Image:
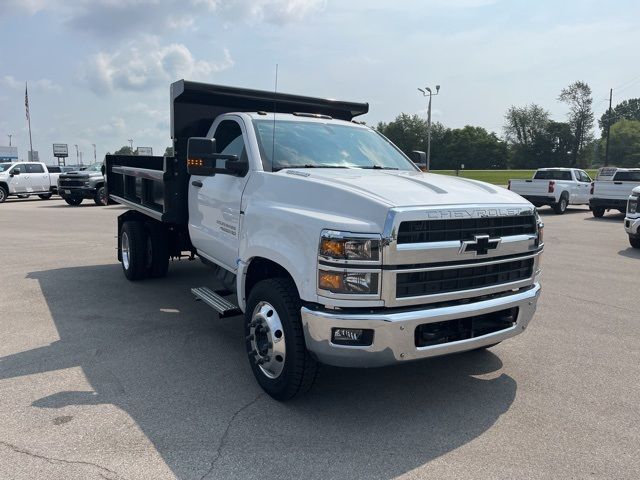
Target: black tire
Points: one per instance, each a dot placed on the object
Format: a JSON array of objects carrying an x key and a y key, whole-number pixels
[
  {"x": 100, "y": 197},
  {"x": 157, "y": 260},
  {"x": 634, "y": 241},
  {"x": 133, "y": 248},
  {"x": 45, "y": 196},
  {"x": 3, "y": 194},
  {"x": 299, "y": 370},
  {"x": 562, "y": 204},
  {"x": 73, "y": 201},
  {"x": 597, "y": 212}
]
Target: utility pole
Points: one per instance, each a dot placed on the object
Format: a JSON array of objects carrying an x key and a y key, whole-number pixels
[
  {"x": 606, "y": 148},
  {"x": 430, "y": 94},
  {"x": 80, "y": 158},
  {"x": 26, "y": 106},
  {"x": 10, "y": 135},
  {"x": 95, "y": 159},
  {"x": 77, "y": 156},
  {"x": 131, "y": 143}
]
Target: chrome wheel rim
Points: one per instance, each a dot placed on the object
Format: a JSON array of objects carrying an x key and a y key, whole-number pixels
[
  {"x": 266, "y": 337},
  {"x": 125, "y": 249},
  {"x": 563, "y": 205},
  {"x": 103, "y": 196}
]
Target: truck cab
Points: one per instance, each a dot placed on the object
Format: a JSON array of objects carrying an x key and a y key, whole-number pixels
[{"x": 331, "y": 244}]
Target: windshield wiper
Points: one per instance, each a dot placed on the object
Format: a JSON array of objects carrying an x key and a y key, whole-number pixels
[
  {"x": 318, "y": 166},
  {"x": 378, "y": 167}
]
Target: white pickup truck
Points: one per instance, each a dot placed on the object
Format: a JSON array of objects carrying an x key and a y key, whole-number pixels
[
  {"x": 334, "y": 245},
  {"x": 611, "y": 189},
  {"x": 632, "y": 220},
  {"x": 556, "y": 187},
  {"x": 23, "y": 179}
]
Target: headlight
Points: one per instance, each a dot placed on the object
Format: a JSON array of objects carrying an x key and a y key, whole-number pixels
[
  {"x": 632, "y": 206},
  {"x": 349, "y": 247},
  {"x": 348, "y": 282}
]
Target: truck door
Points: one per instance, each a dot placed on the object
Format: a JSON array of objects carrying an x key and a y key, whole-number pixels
[
  {"x": 37, "y": 177},
  {"x": 214, "y": 207},
  {"x": 583, "y": 186},
  {"x": 17, "y": 182}
]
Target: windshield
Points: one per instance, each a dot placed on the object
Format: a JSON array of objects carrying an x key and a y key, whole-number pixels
[
  {"x": 326, "y": 145},
  {"x": 552, "y": 175},
  {"x": 5, "y": 166},
  {"x": 94, "y": 167}
]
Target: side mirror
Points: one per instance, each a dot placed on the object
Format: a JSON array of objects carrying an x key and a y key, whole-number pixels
[
  {"x": 15, "y": 171},
  {"x": 420, "y": 159},
  {"x": 203, "y": 160}
]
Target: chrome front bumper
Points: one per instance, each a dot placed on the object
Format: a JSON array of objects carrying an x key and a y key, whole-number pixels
[
  {"x": 394, "y": 333},
  {"x": 632, "y": 226}
]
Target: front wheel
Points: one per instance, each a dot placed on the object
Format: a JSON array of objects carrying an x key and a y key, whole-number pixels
[
  {"x": 275, "y": 341},
  {"x": 634, "y": 241},
  {"x": 73, "y": 201},
  {"x": 100, "y": 197},
  {"x": 3, "y": 194},
  {"x": 45, "y": 196},
  {"x": 597, "y": 212}
]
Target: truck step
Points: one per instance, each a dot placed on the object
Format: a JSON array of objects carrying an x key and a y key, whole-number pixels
[{"x": 221, "y": 305}]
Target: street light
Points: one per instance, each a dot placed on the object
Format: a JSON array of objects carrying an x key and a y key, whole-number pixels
[
  {"x": 430, "y": 94},
  {"x": 94, "y": 153},
  {"x": 10, "y": 135},
  {"x": 77, "y": 156},
  {"x": 131, "y": 143}
]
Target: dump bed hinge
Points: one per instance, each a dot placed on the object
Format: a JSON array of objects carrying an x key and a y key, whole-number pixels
[{"x": 220, "y": 304}]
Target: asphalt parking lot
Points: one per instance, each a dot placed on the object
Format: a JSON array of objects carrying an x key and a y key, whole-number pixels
[{"x": 102, "y": 378}]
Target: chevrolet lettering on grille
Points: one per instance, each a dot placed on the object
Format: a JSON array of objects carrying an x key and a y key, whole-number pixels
[{"x": 480, "y": 245}]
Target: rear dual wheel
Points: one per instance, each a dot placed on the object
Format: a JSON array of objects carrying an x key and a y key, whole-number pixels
[{"x": 144, "y": 250}]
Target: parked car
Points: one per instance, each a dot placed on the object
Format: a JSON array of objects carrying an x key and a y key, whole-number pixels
[
  {"x": 632, "y": 220},
  {"x": 23, "y": 179},
  {"x": 78, "y": 185},
  {"x": 339, "y": 249},
  {"x": 612, "y": 188},
  {"x": 556, "y": 187}
]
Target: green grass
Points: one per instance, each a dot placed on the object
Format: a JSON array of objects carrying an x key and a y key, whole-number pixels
[{"x": 497, "y": 177}]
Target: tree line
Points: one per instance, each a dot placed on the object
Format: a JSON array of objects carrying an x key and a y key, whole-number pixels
[{"x": 530, "y": 138}]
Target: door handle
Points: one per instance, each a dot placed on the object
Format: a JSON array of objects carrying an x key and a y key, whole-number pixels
[{"x": 196, "y": 183}]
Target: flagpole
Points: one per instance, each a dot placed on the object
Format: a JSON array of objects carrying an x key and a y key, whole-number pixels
[{"x": 26, "y": 102}]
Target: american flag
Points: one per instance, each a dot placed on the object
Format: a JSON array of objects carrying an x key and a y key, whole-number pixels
[{"x": 26, "y": 100}]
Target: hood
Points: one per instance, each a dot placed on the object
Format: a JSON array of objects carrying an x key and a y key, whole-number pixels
[
  {"x": 409, "y": 189},
  {"x": 80, "y": 174}
]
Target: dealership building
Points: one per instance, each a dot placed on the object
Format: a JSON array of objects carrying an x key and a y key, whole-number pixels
[{"x": 8, "y": 154}]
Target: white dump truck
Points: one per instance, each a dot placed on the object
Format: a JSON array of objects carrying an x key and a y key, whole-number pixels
[{"x": 333, "y": 247}]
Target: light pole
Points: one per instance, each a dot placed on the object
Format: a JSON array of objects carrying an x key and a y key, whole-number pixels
[
  {"x": 95, "y": 159},
  {"x": 77, "y": 156},
  {"x": 10, "y": 135},
  {"x": 131, "y": 143},
  {"x": 430, "y": 94}
]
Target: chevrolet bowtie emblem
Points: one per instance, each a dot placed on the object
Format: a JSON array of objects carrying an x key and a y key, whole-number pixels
[{"x": 481, "y": 244}]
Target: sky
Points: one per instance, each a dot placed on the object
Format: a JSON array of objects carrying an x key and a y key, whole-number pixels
[{"x": 99, "y": 70}]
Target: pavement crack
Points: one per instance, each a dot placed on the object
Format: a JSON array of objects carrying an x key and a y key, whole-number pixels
[
  {"x": 225, "y": 435},
  {"x": 102, "y": 471}
]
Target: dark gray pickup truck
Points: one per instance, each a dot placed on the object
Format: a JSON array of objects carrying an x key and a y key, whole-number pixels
[{"x": 89, "y": 183}]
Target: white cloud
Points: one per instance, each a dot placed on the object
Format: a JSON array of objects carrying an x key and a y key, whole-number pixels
[
  {"x": 147, "y": 64},
  {"x": 44, "y": 84}
]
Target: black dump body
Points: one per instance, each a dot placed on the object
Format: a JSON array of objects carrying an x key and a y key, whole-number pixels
[{"x": 157, "y": 186}]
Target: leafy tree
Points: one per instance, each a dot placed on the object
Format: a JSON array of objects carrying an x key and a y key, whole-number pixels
[
  {"x": 524, "y": 124},
  {"x": 168, "y": 152},
  {"x": 624, "y": 143},
  {"x": 627, "y": 109},
  {"x": 474, "y": 147},
  {"x": 126, "y": 150},
  {"x": 580, "y": 118}
]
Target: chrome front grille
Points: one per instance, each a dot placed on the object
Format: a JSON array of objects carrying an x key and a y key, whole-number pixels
[
  {"x": 427, "y": 260},
  {"x": 429, "y": 282},
  {"x": 426, "y": 231}
]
